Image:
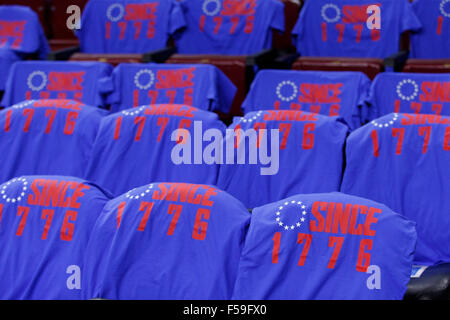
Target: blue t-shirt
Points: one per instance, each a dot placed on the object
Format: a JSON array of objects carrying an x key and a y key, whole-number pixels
[
  {"x": 329, "y": 93},
  {"x": 202, "y": 86},
  {"x": 409, "y": 93},
  {"x": 402, "y": 160},
  {"x": 86, "y": 82},
  {"x": 128, "y": 26},
  {"x": 229, "y": 27},
  {"x": 433, "y": 40},
  {"x": 141, "y": 145},
  {"x": 166, "y": 241},
  {"x": 21, "y": 31},
  {"x": 307, "y": 157},
  {"x": 47, "y": 137},
  {"x": 46, "y": 222},
  {"x": 7, "y": 59},
  {"x": 325, "y": 247},
  {"x": 339, "y": 28}
]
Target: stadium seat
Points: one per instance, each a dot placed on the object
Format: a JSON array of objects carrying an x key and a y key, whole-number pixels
[
  {"x": 433, "y": 39},
  {"x": 427, "y": 66},
  {"x": 229, "y": 27},
  {"x": 328, "y": 246},
  {"x": 40, "y": 7},
  {"x": 46, "y": 222},
  {"x": 86, "y": 82},
  {"x": 203, "y": 86},
  {"x": 305, "y": 156},
  {"x": 405, "y": 159},
  {"x": 341, "y": 28},
  {"x": 47, "y": 137},
  {"x": 409, "y": 93},
  {"x": 429, "y": 283},
  {"x": 141, "y": 145},
  {"x": 328, "y": 93},
  {"x": 370, "y": 66},
  {"x": 174, "y": 241}
]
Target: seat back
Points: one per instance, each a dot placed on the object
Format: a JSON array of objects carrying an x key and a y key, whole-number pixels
[
  {"x": 432, "y": 41},
  {"x": 46, "y": 222},
  {"x": 137, "y": 146},
  {"x": 341, "y": 28},
  {"x": 117, "y": 26},
  {"x": 203, "y": 86},
  {"x": 401, "y": 160},
  {"x": 328, "y": 246},
  {"x": 86, "y": 82},
  {"x": 328, "y": 93},
  {"x": 274, "y": 154},
  {"x": 409, "y": 93},
  {"x": 47, "y": 137},
  {"x": 229, "y": 27},
  {"x": 167, "y": 241}
]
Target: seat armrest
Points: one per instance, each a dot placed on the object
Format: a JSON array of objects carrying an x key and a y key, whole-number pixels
[
  {"x": 432, "y": 284},
  {"x": 159, "y": 56},
  {"x": 396, "y": 62},
  {"x": 63, "y": 54}
]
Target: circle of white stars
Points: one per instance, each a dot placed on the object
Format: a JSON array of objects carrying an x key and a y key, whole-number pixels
[
  {"x": 34, "y": 74},
  {"x": 405, "y": 82},
  {"x": 336, "y": 9},
  {"x": 298, "y": 224},
  {"x": 4, "y": 195},
  {"x": 23, "y": 104},
  {"x": 442, "y": 8},
  {"x": 211, "y": 12},
  {"x": 386, "y": 124},
  {"x": 131, "y": 196},
  {"x": 251, "y": 119},
  {"x": 138, "y": 75},
  {"x": 110, "y": 10},
  {"x": 283, "y": 84},
  {"x": 134, "y": 111}
]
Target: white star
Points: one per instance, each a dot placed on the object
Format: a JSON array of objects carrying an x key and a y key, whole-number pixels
[
  {"x": 292, "y": 227},
  {"x": 298, "y": 224},
  {"x": 278, "y": 213},
  {"x": 303, "y": 207},
  {"x": 278, "y": 219},
  {"x": 286, "y": 228},
  {"x": 302, "y": 219},
  {"x": 304, "y": 212},
  {"x": 281, "y": 224}
]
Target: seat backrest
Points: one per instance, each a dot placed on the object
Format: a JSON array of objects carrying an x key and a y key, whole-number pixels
[
  {"x": 328, "y": 93},
  {"x": 46, "y": 222},
  {"x": 409, "y": 93},
  {"x": 47, "y": 137},
  {"x": 167, "y": 241},
  {"x": 202, "y": 86},
  {"x": 21, "y": 31},
  {"x": 118, "y": 26},
  {"x": 341, "y": 28},
  {"x": 427, "y": 66},
  {"x": 59, "y": 15},
  {"x": 327, "y": 246},
  {"x": 433, "y": 40},
  {"x": 141, "y": 145},
  {"x": 291, "y": 12},
  {"x": 274, "y": 154},
  {"x": 401, "y": 160},
  {"x": 229, "y": 27},
  {"x": 86, "y": 82},
  {"x": 7, "y": 59}
]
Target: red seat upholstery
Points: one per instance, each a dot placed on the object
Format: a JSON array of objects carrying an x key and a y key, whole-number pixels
[
  {"x": 113, "y": 59},
  {"x": 427, "y": 66},
  {"x": 291, "y": 13}
]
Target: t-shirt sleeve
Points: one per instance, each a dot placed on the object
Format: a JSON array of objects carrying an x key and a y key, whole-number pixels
[
  {"x": 177, "y": 20},
  {"x": 278, "y": 16},
  {"x": 410, "y": 21},
  {"x": 226, "y": 92}
]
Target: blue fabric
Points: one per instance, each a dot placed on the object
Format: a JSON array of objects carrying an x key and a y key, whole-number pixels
[
  {"x": 46, "y": 222},
  {"x": 409, "y": 93},
  {"x": 229, "y": 27},
  {"x": 21, "y": 31},
  {"x": 202, "y": 86},
  {"x": 318, "y": 31},
  {"x": 402, "y": 160},
  {"x": 169, "y": 241},
  {"x": 311, "y": 157},
  {"x": 128, "y": 26},
  {"x": 134, "y": 147},
  {"x": 87, "y": 82},
  {"x": 433, "y": 40},
  {"x": 367, "y": 234},
  {"x": 7, "y": 59},
  {"x": 47, "y": 137},
  {"x": 329, "y": 93}
]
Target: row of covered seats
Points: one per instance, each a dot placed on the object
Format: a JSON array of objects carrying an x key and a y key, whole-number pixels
[
  {"x": 66, "y": 238},
  {"x": 289, "y": 152},
  {"x": 350, "y": 95}
]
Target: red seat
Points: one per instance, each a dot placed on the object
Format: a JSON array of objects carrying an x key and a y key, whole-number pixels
[
  {"x": 427, "y": 66},
  {"x": 236, "y": 68},
  {"x": 370, "y": 66},
  {"x": 113, "y": 59},
  {"x": 291, "y": 13}
]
